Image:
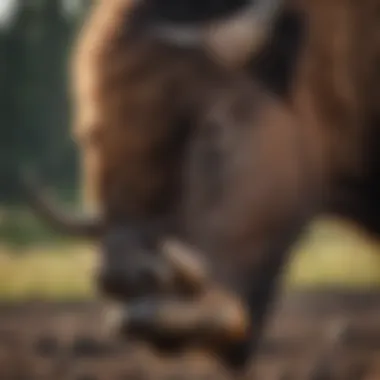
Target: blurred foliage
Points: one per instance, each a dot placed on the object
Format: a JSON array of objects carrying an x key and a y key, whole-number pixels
[
  {"x": 20, "y": 228},
  {"x": 34, "y": 107}
]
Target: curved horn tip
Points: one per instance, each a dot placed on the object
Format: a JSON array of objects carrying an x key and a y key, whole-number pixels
[
  {"x": 235, "y": 320},
  {"x": 113, "y": 318},
  {"x": 188, "y": 264},
  {"x": 45, "y": 207}
]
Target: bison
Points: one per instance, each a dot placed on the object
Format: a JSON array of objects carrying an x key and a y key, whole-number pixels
[{"x": 194, "y": 125}]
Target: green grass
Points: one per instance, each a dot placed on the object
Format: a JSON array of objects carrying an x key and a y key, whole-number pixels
[{"x": 39, "y": 266}]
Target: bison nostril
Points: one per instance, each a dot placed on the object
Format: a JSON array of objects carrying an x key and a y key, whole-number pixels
[
  {"x": 143, "y": 275},
  {"x": 113, "y": 285},
  {"x": 133, "y": 283},
  {"x": 151, "y": 275},
  {"x": 127, "y": 284}
]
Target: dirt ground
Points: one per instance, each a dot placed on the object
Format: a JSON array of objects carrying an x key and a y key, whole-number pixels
[{"x": 312, "y": 336}]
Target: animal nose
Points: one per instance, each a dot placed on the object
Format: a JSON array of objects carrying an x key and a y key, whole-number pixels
[
  {"x": 113, "y": 284},
  {"x": 137, "y": 279}
]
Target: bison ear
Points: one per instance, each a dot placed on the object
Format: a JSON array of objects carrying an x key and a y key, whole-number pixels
[{"x": 45, "y": 208}]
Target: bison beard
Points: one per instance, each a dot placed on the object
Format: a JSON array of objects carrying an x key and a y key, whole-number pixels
[{"x": 180, "y": 142}]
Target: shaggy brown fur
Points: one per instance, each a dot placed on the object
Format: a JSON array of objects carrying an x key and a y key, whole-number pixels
[
  {"x": 164, "y": 129},
  {"x": 338, "y": 90},
  {"x": 134, "y": 96},
  {"x": 127, "y": 109},
  {"x": 133, "y": 101},
  {"x": 338, "y": 85}
]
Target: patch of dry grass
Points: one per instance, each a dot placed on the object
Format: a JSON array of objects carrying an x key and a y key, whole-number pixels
[
  {"x": 50, "y": 272},
  {"x": 335, "y": 253}
]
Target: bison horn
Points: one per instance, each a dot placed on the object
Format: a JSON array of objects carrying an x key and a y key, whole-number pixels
[
  {"x": 190, "y": 270},
  {"x": 46, "y": 209}
]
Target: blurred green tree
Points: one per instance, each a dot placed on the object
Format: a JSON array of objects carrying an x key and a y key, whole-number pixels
[{"x": 34, "y": 107}]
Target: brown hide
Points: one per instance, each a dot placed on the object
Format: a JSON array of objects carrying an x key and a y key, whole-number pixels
[
  {"x": 126, "y": 111},
  {"x": 338, "y": 90},
  {"x": 165, "y": 130},
  {"x": 338, "y": 77},
  {"x": 130, "y": 93},
  {"x": 335, "y": 93},
  {"x": 133, "y": 94},
  {"x": 160, "y": 127},
  {"x": 250, "y": 171},
  {"x": 250, "y": 180}
]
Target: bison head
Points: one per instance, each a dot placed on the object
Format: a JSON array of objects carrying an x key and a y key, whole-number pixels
[
  {"x": 129, "y": 251},
  {"x": 153, "y": 282}
]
